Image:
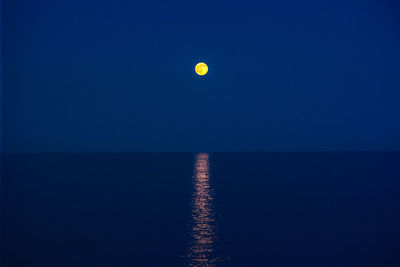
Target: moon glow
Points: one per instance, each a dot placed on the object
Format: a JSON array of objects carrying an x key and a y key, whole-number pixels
[{"x": 201, "y": 68}]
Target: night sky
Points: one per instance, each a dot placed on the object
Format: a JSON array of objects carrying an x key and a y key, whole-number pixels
[{"x": 118, "y": 76}]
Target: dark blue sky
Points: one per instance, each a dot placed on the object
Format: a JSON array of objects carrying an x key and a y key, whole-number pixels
[{"x": 96, "y": 75}]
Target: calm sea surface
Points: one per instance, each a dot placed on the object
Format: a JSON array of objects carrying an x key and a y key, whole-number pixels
[{"x": 201, "y": 209}]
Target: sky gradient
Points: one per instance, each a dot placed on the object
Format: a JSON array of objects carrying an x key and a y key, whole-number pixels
[{"x": 118, "y": 76}]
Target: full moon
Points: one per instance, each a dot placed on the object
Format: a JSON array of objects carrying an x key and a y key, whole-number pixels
[{"x": 201, "y": 68}]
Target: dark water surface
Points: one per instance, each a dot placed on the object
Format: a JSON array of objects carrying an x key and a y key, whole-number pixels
[{"x": 204, "y": 209}]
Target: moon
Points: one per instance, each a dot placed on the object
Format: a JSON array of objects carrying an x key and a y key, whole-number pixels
[{"x": 201, "y": 68}]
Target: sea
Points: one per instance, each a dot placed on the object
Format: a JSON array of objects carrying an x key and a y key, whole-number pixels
[{"x": 201, "y": 209}]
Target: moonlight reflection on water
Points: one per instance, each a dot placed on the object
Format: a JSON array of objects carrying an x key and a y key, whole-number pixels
[{"x": 203, "y": 232}]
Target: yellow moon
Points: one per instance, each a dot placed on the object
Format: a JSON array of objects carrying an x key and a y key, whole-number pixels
[{"x": 201, "y": 68}]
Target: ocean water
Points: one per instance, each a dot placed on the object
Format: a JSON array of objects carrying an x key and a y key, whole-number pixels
[{"x": 201, "y": 209}]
